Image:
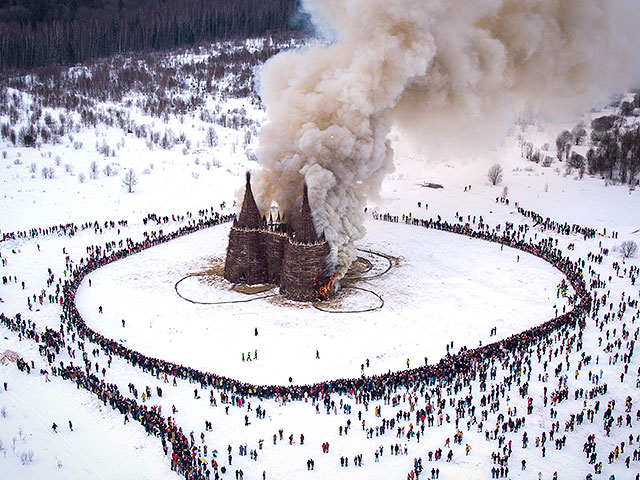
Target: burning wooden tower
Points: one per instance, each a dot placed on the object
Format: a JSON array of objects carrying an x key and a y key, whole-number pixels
[{"x": 290, "y": 255}]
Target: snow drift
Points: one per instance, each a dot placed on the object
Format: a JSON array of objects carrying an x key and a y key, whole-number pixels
[{"x": 446, "y": 71}]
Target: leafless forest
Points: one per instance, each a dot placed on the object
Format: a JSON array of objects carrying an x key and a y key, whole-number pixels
[{"x": 35, "y": 33}]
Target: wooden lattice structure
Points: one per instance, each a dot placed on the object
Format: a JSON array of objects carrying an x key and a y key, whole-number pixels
[{"x": 291, "y": 256}]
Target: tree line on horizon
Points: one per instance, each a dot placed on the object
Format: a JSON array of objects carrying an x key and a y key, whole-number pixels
[{"x": 38, "y": 33}]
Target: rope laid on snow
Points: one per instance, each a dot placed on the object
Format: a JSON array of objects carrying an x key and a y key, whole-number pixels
[
  {"x": 318, "y": 305},
  {"x": 225, "y": 302}
]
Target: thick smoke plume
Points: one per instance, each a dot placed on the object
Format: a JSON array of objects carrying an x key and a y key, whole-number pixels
[{"x": 446, "y": 71}]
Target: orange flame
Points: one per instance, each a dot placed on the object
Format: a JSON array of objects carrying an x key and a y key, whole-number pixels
[{"x": 323, "y": 292}]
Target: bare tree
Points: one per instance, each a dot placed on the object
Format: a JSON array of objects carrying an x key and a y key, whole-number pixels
[
  {"x": 103, "y": 148},
  {"x": 247, "y": 137},
  {"x": 130, "y": 180},
  {"x": 495, "y": 174},
  {"x": 628, "y": 248},
  {"x": 93, "y": 170},
  {"x": 48, "y": 172},
  {"x": 579, "y": 133},
  {"x": 562, "y": 143},
  {"x": 111, "y": 170},
  {"x": 28, "y": 136},
  {"x": 26, "y": 457},
  {"x": 577, "y": 161},
  {"x": 212, "y": 137}
]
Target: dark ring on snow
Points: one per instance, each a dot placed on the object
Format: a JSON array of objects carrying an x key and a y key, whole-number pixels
[
  {"x": 319, "y": 305},
  {"x": 388, "y": 258},
  {"x": 225, "y": 302}
]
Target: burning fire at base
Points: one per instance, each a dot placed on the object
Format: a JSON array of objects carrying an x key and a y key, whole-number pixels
[
  {"x": 324, "y": 292},
  {"x": 290, "y": 255}
]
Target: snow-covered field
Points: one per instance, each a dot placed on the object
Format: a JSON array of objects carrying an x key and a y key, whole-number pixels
[
  {"x": 443, "y": 288},
  {"x": 483, "y": 282}
]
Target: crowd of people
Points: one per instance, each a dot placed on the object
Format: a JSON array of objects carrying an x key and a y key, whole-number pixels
[
  {"x": 547, "y": 224},
  {"x": 67, "y": 229},
  {"x": 372, "y": 387},
  {"x": 433, "y": 382}
]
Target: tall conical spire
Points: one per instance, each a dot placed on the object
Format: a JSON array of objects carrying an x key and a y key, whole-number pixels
[
  {"x": 305, "y": 232},
  {"x": 249, "y": 214}
]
